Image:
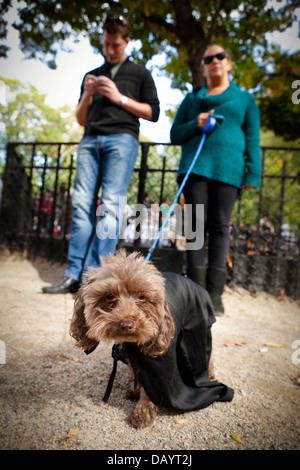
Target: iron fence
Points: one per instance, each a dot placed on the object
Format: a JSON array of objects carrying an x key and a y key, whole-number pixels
[{"x": 37, "y": 203}]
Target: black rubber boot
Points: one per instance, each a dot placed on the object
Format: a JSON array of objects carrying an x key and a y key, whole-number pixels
[
  {"x": 216, "y": 278},
  {"x": 198, "y": 275}
]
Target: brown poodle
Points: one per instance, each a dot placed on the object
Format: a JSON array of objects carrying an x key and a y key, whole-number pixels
[{"x": 125, "y": 301}]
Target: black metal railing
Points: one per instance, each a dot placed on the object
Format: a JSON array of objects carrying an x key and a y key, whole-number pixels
[{"x": 37, "y": 198}]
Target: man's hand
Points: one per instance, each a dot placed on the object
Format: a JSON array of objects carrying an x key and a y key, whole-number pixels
[
  {"x": 107, "y": 87},
  {"x": 89, "y": 85}
]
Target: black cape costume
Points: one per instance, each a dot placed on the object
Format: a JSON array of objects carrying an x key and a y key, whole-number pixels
[{"x": 179, "y": 378}]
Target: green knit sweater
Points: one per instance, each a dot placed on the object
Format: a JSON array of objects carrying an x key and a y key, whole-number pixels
[{"x": 231, "y": 153}]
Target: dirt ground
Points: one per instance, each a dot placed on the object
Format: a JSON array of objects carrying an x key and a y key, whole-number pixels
[{"x": 50, "y": 392}]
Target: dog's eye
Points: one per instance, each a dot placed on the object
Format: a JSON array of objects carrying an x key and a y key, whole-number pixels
[
  {"x": 142, "y": 297},
  {"x": 110, "y": 297}
]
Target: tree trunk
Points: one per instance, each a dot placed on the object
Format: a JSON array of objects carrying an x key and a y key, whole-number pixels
[{"x": 194, "y": 63}]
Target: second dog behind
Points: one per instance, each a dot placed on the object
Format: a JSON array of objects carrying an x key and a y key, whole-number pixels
[{"x": 161, "y": 323}]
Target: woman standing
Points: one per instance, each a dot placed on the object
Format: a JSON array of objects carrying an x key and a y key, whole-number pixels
[{"x": 229, "y": 160}]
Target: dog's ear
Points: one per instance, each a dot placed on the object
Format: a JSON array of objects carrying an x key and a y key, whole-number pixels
[
  {"x": 78, "y": 327},
  {"x": 166, "y": 332}
]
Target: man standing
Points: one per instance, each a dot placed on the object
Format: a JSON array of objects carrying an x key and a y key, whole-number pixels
[{"x": 113, "y": 98}]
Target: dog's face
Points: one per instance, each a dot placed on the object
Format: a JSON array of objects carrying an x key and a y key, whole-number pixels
[{"x": 124, "y": 301}]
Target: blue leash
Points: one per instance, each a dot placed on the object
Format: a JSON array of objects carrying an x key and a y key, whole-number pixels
[{"x": 211, "y": 123}]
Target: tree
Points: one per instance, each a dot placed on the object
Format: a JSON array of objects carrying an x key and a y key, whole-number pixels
[
  {"x": 279, "y": 102},
  {"x": 179, "y": 28},
  {"x": 28, "y": 118}
]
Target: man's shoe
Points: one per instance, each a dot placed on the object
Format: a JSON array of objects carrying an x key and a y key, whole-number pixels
[{"x": 67, "y": 285}]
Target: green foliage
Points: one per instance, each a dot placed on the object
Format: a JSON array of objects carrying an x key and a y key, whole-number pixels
[
  {"x": 179, "y": 29},
  {"x": 279, "y": 102},
  {"x": 45, "y": 171},
  {"x": 5, "y": 6},
  {"x": 278, "y": 163},
  {"x": 161, "y": 159},
  {"x": 281, "y": 115},
  {"x": 28, "y": 118}
]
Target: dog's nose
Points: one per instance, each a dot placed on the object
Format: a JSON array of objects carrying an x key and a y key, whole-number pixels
[{"x": 126, "y": 325}]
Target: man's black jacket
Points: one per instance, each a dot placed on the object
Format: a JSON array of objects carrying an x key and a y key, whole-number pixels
[{"x": 132, "y": 80}]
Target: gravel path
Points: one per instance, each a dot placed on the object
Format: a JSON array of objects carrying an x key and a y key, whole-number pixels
[{"x": 51, "y": 392}]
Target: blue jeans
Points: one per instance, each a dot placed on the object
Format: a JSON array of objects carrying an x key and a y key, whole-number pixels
[{"x": 108, "y": 161}]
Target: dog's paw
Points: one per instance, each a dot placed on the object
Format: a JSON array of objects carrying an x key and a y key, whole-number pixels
[
  {"x": 143, "y": 416},
  {"x": 132, "y": 394}
]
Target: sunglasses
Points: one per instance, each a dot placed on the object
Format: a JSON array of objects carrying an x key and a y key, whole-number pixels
[
  {"x": 114, "y": 17},
  {"x": 209, "y": 58}
]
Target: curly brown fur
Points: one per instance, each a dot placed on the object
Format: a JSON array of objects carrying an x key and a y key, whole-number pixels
[{"x": 124, "y": 301}]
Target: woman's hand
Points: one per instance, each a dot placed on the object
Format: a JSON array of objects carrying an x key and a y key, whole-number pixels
[{"x": 202, "y": 118}]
